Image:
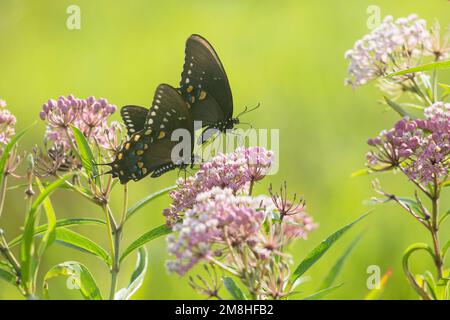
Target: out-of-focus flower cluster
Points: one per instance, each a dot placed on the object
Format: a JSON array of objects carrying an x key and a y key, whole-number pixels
[
  {"x": 235, "y": 171},
  {"x": 221, "y": 222},
  {"x": 392, "y": 46},
  {"x": 7, "y": 123},
  {"x": 89, "y": 115},
  {"x": 421, "y": 147}
]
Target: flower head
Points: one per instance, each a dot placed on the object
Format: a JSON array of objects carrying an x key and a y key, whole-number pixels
[
  {"x": 420, "y": 147},
  {"x": 234, "y": 171},
  {"x": 392, "y": 45},
  {"x": 7, "y": 123},
  {"x": 217, "y": 219},
  {"x": 89, "y": 115}
]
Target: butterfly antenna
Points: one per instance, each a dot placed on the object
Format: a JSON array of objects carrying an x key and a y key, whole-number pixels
[
  {"x": 247, "y": 124},
  {"x": 247, "y": 110},
  {"x": 101, "y": 174}
]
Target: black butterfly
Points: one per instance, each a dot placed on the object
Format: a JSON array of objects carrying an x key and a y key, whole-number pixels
[
  {"x": 204, "y": 84},
  {"x": 149, "y": 148}
]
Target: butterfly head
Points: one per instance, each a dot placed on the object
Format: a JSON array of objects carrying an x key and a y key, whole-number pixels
[
  {"x": 231, "y": 123},
  {"x": 129, "y": 163}
]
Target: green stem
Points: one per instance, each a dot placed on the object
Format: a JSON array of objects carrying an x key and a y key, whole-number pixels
[
  {"x": 117, "y": 234},
  {"x": 116, "y": 264},
  {"x": 3, "y": 193},
  {"x": 434, "y": 229},
  {"x": 252, "y": 183},
  {"x": 6, "y": 252}
]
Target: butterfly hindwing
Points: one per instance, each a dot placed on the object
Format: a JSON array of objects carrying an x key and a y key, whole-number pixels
[
  {"x": 149, "y": 151},
  {"x": 204, "y": 83},
  {"x": 134, "y": 118}
]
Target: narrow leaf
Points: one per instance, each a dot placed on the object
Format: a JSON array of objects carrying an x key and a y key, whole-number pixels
[
  {"x": 49, "y": 235},
  {"x": 60, "y": 223},
  {"x": 85, "y": 153},
  {"x": 146, "y": 237},
  {"x": 233, "y": 289},
  {"x": 320, "y": 250},
  {"x": 397, "y": 108},
  {"x": 336, "y": 269},
  {"x": 7, "y": 274},
  {"x": 424, "y": 67},
  {"x": 27, "y": 248},
  {"x": 77, "y": 241},
  {"x": 322, "y": 293},
  {"x": 137, "y": 278},
  {"x": 143, "y": 202},
  {"x": 78, "y": 278}
]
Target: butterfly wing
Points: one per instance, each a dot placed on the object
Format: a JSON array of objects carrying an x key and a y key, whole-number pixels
[
  {"x": 150, "y": 150},
  {"x": 169, "y": 111},
  {"x": 134, "y": 118},
  {"x": 204, "y": 83}
]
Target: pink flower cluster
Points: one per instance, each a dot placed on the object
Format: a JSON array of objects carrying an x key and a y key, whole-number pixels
[
  {"x": 392, "y": 44},
  {"x": 234, "y": 171},
  {"x": 218, "y": 217},
  {"x": 89, "y": 115},
  {"x": 7, "y": 123},
  {"x": 213, "y": 217},
  {"x": 422, "y": 146}
]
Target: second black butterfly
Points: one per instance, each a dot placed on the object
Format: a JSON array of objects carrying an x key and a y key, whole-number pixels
[{"x": 149, "y": 149}]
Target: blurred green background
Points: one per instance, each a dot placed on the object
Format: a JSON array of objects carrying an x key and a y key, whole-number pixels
[{"x": 288, "y": 55}]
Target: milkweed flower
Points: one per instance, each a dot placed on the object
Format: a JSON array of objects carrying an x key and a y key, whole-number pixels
[
  {"x": 218, "y": 217},
  {"x": 7, "y": 123},
  {"x": 393, "y": 45},
  {"x": 420, "y": 148},
  {"x": 223, "y": 225},
  {"x": 235, "y": 171},
  {"x": 89, "y": 115}
]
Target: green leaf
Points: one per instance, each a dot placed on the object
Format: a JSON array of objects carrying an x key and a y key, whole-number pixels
[
  {"x": 397, "y": 108},
  {"x": 406, "y": 256},
  {"x": 367, "y": 171},
  {"x": 143, "y": 202},
  {"x": 7, "y": 273},
  {"x": 49, "y": 235},
  {"x": 445, "y": 184},
  {"x": 233, "y": 289},
  {"x": 336, "y": 269},
  {"x": 7, "y": 150},
  {"x": 60, "y": 223},
  {"x": 424, "y": 67},
  {"x": 445, "y": 249},
  {"x": 137, "y": 278},
  {"x": 78, "y": 278},
  {"x": 85, "y": 153},
  {"x": 320, "y": 250},
  {"x": 27, "y": 248},
  {"x": 362, "y": 172},
  {"x": 146, "y": 237},
  {"x": 77, "y": 241},
  {"x": 322, "y": 293},
  {"x": 446, "y": 87}
]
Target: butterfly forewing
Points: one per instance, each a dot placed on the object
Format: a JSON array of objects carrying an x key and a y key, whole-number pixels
[
  {"x": 134, "y": 118},
  {"x": 204, "y": 83},
  {"x": 169, "y": 111}
]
